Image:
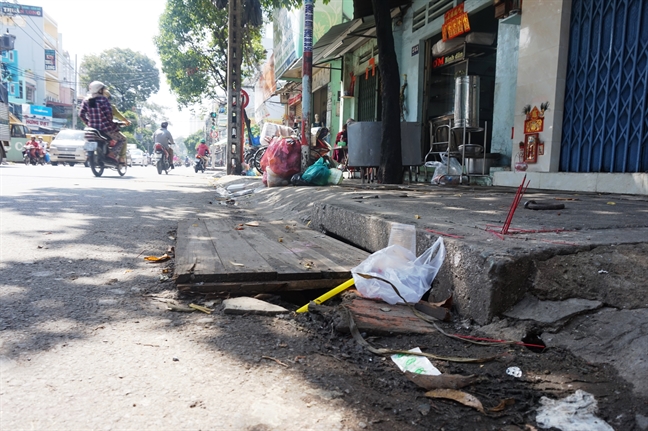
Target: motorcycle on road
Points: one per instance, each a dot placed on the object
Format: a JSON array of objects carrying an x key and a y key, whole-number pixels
[
  {"x": 97, "y": 145},
  {"x": 200, "y": 163},
  {"x": 163, "y": 160}
]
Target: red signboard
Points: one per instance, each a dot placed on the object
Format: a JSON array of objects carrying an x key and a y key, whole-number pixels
[{"x": 455, "y": 23}]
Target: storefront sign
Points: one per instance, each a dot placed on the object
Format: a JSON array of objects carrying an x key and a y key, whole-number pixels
[
  {"x": 455, "y": 23},
  {"x": 321, "y": 78},
  {"x": 50, "y": 59},
  {"x": 295, "y": 99},
  {"x": 10, "y": 9},
  {"x": 37, "y": 116},
  {"x": 415, "y": 50},
  {"x": 288, "y": 46},
  {"x": 447, "y": 59}
]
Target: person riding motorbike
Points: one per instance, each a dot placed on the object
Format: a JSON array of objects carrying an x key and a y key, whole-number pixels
[
  {"x": 33, "y": 148},
  {"x": 97, "y": 112},
  {"x": 202, "y": 151},
  {"x": 163, "y": 138}
]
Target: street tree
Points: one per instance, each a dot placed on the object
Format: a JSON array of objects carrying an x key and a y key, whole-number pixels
[
  {"x": 192, "y": 45},
  {"x": 131, "y": 77},
  {"x": 391, "y": 166}
]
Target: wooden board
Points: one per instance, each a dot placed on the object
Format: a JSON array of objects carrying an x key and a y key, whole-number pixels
[{"x": 221, "y": 256}]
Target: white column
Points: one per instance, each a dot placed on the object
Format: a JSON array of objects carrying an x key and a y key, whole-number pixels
[{"x": 542, "y": 73}]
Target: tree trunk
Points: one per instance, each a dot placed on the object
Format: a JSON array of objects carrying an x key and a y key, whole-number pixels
[{"x": 391, "y": 168}]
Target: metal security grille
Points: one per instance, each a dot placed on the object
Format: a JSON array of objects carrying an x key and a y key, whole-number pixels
[
  {"x": 369, "y": 106},
  {"x": 605, "y": 125}
]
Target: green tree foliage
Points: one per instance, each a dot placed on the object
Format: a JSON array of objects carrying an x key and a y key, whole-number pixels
[
  {"x": 193, "y": 48},
  {"x": 130, "y": 76}
]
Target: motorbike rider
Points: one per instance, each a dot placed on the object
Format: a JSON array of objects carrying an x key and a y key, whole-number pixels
[
  {"x": 33, "y": 148},
  {"x": 96, "y": 112},
  {"x": 163, "y": 137}
]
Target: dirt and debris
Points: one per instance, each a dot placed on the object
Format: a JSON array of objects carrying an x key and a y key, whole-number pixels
[{"x": 467, "y": 396}]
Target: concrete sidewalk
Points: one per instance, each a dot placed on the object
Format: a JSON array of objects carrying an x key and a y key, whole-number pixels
[{"x": 487, "y": 273}]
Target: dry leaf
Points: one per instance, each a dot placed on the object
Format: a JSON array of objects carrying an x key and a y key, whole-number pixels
[
  {"x": 611, "y": 203},
  {"x": 417, "y": 216},
  {"x": 236, "y": 264},
  {"x": 447, "y": 303},
  {"x": 194, "y": 225},
  {"x": 280, "y": 239},
  {"x": 443, "y": 381},
  {"x": 252, "y": 223},
  {"x": 502, "y": 405},
  {"x": 461, "y": 397},
  {"x": 162, "y": 258}
]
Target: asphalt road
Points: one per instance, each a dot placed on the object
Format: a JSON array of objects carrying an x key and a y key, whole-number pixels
[{"x": 83, "y": 345}]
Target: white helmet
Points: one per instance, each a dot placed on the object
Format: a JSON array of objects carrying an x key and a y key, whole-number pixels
[{"x": 95, "y": 87}]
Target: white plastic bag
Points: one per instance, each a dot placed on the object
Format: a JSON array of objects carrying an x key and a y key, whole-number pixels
[{"x": 412, "y": 276}]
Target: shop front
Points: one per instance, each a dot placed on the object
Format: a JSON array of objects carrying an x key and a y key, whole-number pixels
[{"x": 459, "y": 89}]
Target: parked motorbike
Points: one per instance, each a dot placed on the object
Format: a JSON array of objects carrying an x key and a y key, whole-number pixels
[
  {"x": 163, "y": 160},
  {"x": 97, "y": 145},
  {"x": 200, "y": 163}
]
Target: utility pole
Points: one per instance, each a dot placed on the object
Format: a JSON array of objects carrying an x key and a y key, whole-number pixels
[
  {"x": 307, "y": 80},
  {"x": 74, "y": 96},
  {"x": 234, "y": 105}
]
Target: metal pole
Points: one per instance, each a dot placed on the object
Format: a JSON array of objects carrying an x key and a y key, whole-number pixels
[
  {"x": 74, "y": 96},
  {"x": 307, "y": 72},
  {"x": 234, "y": 59}
]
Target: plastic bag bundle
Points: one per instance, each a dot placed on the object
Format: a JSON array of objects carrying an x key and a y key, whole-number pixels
[
  {"x": 412, "y": 276},
  {"x": 283, "y": 158},
  {"x": 318, "y": 173}
]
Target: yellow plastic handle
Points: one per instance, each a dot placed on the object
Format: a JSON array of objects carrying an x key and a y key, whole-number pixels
[{"x": 328, "y": 295}]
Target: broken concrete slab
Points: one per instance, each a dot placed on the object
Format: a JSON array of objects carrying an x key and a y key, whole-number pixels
[
  {"x": 246, "y": 305},
  {"x": 610, "y": 336},
  {"x": 531, "y": 308}
]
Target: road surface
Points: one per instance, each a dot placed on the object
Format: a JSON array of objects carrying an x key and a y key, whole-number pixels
[{"x": 86, "y": 341}]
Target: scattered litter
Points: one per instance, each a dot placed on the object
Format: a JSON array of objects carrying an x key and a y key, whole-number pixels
[
  {"x": 175, "y": 359},
  {"x": 573, "y": 413},
  {"x": 276, "y": 360},
  {"x": 163, "y": 278},
  {"x": 385, "y": 309},
  {"x": 180, "y": 309},
  {"x": 602, "y": 271},
  {"x": 461, "y": 397},
  {"x": 417, "y": 216},
  {"x": 443, "y": 381},
  {"x": 415, "y": 364},
  {"x": 396, "y": 269},
  {"x": 611, "y": 203},
  {"x": 328, "y": 295},
  {"x": 156, "y": 259},
  {"x": 514, "y": 371},
  {"x": 201, "y": 308},
  {"x": 252, "y": 223}
]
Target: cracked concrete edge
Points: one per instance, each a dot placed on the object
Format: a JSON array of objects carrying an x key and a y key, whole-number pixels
[{"x": 484, "y": 282}]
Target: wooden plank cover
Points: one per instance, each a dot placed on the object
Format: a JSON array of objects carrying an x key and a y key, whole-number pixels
[
  {"x": 214, "y": 256},
  {"x": 196, "y": 255}
]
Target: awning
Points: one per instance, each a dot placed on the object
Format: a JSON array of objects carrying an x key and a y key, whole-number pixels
[
  {"x": 363, "y": 8},
  {"x": 343, "y": 38}
]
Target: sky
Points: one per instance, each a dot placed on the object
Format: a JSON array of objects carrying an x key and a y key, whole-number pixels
[{"x": 92, "y": 26}]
